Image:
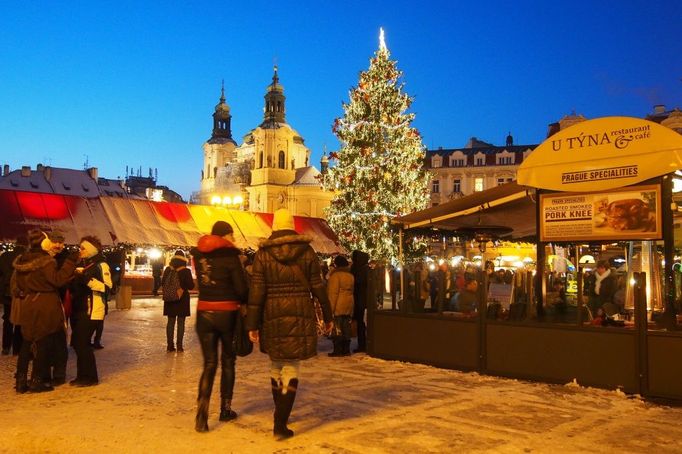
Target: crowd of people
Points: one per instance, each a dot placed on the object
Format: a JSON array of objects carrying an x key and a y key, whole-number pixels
[
  {"x": 46, "y": 288},
  {"x": 45, "y": 285}
]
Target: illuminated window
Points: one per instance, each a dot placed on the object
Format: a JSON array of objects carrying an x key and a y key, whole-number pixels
[
  {"x": 435, "y": 186},
  {"x": 478, "y": 184}
]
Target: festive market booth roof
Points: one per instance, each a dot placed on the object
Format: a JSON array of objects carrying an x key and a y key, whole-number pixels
[
  {"x": 509, "y": 204},
  {"x": 74, "y": 216},
  {"x": 601, "y": 154},
  {"x": 324, "y": 239},
  {"x": 130, "y": 221},
  {"x": 146, "y": 222}
]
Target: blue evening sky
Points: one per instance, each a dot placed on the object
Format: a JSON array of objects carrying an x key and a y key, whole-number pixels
[{"x": 134, "y": 83}]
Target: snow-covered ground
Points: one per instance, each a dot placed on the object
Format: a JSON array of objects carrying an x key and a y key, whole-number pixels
[{"x": 145, "y": 402}]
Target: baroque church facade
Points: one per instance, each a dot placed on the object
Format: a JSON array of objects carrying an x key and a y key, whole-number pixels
[{"x": 269, "y": 170}]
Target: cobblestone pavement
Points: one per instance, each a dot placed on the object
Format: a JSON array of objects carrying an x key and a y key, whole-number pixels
[{"x": 145, "y": 402}]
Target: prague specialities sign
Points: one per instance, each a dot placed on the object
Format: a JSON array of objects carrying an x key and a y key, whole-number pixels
[
  {"x": 601, "y": 154},
  {"x": 594, "y": 165}
]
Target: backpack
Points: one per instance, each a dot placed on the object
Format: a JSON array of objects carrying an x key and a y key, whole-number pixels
[{"x": 170, "y": 287}]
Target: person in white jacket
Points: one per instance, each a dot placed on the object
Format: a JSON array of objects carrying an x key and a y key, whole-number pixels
[{"x": 89, "y": 292}]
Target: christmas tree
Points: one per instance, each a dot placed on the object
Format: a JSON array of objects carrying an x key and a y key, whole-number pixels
[{"x": 378, "y": 172}]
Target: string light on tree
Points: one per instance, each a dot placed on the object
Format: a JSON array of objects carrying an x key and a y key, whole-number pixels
[{"x": 378, "y": 172}]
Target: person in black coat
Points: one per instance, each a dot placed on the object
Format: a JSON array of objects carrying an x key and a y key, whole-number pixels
[
  {"x": 177, "y": 308},
  {"x": 360, "y": 271},
  {"x": 604, "y": 287},
  {"x": 157, "y": 270},
  {"x": 222, "y": 291},
  {"x": 11, "y": 334}
]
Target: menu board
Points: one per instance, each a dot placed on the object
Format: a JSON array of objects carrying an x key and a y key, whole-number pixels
[{"x": 631, "y": 213}]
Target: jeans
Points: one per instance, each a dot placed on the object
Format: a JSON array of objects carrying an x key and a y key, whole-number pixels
[
  {"x": 214, "y": 327},
  {"x": 170, "y": 328}
]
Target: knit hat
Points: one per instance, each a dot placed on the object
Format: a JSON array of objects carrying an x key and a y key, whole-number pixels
[
  {"x": 180, "y": 255},
  {"x": 221, "y": 228},
  {"x": 283, "y": 220},
  {"x": 35, "y": 237},
  {"x": 56, "y": 236}
]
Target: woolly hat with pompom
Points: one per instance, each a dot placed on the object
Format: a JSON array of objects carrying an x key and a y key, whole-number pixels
[{"x": 283, "y": 220}]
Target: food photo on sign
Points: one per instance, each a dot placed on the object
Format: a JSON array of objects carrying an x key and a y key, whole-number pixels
[{"x": 635, "y": 211}]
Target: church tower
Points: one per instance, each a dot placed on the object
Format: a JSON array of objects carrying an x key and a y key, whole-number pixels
[
  {"x": 274, "y": 103},
  {"x": 277, "y": 146},
  {"x": 219, "y": 150}
]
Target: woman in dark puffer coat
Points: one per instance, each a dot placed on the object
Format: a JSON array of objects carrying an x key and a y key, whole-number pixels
[{"x": 280, "y": 314}]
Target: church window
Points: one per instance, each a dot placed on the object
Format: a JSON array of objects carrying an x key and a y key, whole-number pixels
[
  {"x": 260, "y": 160},
  {"x": 279, "y": 106},
  {"x": 282, "y": 164},
  {"x": 208, "y": 170},
  {"x": 215, "y": 172}
]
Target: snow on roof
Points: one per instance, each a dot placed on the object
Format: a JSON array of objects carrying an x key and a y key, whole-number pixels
[{"x": 307, "y": 176}]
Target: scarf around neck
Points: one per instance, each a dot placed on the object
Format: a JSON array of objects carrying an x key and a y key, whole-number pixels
[{"x": 600, "y": 277}]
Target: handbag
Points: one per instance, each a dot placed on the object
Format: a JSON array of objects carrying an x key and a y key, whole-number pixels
[
  {"x": 319, "y": 316},
  {"x": 241, "y": 343}
]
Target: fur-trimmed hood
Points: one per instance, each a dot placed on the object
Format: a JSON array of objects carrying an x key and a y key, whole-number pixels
[
  {"x": 32, "y": 261},
  {"x": 285, "y": 245}
]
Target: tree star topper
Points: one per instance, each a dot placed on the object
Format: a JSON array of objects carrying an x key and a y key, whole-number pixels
[{"x": 382, "y": 40}]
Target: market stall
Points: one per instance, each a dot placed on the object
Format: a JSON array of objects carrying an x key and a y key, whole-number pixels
[{"x": 600, "y": 188}]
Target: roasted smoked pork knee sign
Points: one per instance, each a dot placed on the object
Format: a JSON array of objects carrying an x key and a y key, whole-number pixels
[
  {"x": 601, "y": 154},
  {"x": 632, "y": 213}
]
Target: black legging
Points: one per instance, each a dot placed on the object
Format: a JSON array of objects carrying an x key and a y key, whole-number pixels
[{"x": 213, "y": 327}]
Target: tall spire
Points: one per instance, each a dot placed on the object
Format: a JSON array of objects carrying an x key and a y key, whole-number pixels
[
  {"x": 222, "y": 117},
  {"x": 274, "y": 111}
]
